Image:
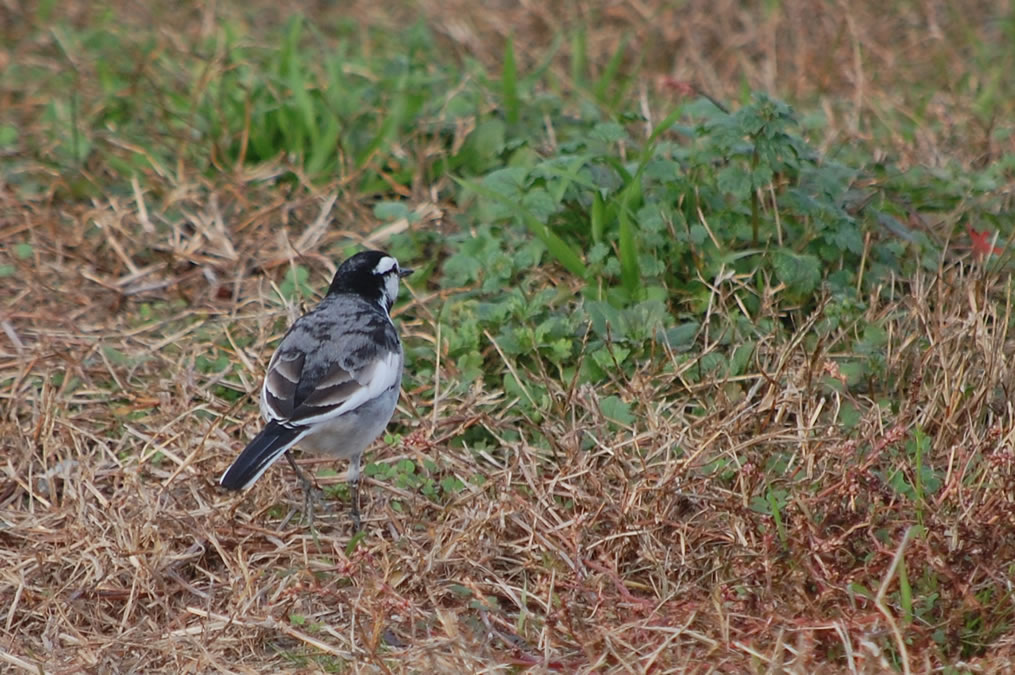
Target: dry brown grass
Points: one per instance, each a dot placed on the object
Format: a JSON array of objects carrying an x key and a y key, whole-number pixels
[
  {"x": 119, "y": 554},
  {"x": 858, "y": 61}
]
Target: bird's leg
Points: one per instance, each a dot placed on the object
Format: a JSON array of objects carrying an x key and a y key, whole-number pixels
[
  {"x": 308, "y": 490},
  {"x": 354, "y": 490}
]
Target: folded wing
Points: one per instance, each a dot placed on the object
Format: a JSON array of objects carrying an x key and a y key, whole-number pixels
[{"x": 311, "y": 380}]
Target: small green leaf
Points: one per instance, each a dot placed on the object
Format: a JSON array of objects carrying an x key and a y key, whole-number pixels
[
  {"x": 849, "y": 415},
  {"x": 800, "y": 272},
  {"x": 735, "y": 180},
  {"x": 294, "y": 285},
  {"x": 615, "y": 409},
  {"x": 389, "y": 211},
  {"x": 741, "y": 357},
  {"x": 681, "y": 335},
  {"x": 451, "y": 485},
  {"x": 8, "y": 135},
  {"x": 539, "y": 203},
  {"x": 354, "y": 541},
  {"x": 487, "y": 141},
  {"x": 23, "y": 251},
  {"x": 115, "y": 356},
  {"x": 608, "y": 132}
]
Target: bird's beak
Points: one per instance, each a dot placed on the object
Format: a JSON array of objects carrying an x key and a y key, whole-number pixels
[{"x": 404, "y": 272}]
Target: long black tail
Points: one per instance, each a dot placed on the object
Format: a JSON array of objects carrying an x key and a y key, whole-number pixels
[{"x": 259, "y": 454}]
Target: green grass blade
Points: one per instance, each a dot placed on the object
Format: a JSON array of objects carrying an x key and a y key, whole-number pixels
[
  {"x": 538, "y": 73},
  {"x": 389, "y": 127},
  {"x": 597, "y": 218},
  {"x": 920, "y": 441},
  {"x": 610, "y": 73},
  {"x": 579, "y": 57},
  {"x": 509, "y": 83},
  {"x": 780, "y": 526},
  {"x": 324, "y": 148},
  {"x": 630, "y": 274},
  {"x": 905, "y": 592},
  {"x": 297, "y": 110},
  {"x": 658, "y": 130},
  {"x": 628, "y": 254}
]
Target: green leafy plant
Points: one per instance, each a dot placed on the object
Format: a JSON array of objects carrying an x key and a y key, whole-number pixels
[{"x": 407, "y": 475}]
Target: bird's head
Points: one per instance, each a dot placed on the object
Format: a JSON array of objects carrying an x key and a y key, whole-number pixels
[{"x": 373, "y": 275}]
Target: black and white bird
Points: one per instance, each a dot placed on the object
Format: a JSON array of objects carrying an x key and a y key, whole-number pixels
[{"x": 333, "y": 381}]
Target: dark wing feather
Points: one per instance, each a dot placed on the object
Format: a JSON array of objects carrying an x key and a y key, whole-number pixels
[{"x": 281, "y": 381}]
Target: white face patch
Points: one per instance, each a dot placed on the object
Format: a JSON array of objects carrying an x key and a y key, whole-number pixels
[
  {"x": 385, "y": 265},
  {"x": 391, "y": 287},
  {"x": 387, "y": 269}
]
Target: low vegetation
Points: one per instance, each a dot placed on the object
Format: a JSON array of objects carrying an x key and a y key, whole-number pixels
[{"x": 696, "y": 379}]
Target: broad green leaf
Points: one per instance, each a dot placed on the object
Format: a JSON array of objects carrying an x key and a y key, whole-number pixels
[{"x": 613, "y": 408}]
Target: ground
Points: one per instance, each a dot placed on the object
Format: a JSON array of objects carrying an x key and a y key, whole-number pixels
[{"x": 791, "y": 517}]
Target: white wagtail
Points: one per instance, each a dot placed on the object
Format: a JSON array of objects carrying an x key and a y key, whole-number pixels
[{"x": 333, "y": 381}]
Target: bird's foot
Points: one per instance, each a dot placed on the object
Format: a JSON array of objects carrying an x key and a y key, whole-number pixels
[
  {"x": 310, "y": 495},
  {"x": 354, "y": 498}
]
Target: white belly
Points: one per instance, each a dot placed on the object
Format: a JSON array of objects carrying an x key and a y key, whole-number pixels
[{"x": 349, "y": 435}]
